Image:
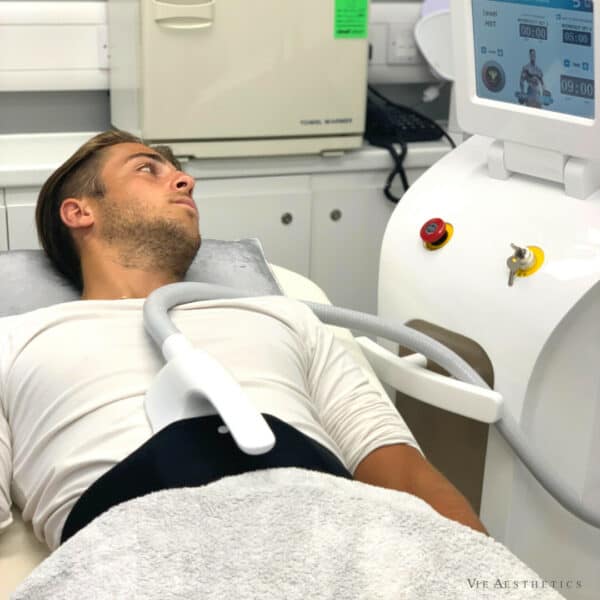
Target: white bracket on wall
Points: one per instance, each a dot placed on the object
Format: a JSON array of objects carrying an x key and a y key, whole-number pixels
[{"x": 37, "y": 42}]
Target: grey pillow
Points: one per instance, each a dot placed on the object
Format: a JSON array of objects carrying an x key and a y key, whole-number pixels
[{"x": 29, "y": 281}]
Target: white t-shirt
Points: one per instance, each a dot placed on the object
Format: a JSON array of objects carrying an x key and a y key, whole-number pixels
[{"x": 73, "y": 378}]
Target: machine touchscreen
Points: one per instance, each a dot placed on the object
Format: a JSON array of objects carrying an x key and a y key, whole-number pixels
[{"x": 536, "y": 53}]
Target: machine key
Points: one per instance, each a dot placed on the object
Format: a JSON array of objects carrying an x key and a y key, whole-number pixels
[
  {"x": 513, "y": 266},
  {"x": 520, "y": 253}
]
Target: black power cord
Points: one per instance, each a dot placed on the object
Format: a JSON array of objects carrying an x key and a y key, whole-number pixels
[
  {"x": 384, "y": 141},
  {"x": 398, "y": 170}
]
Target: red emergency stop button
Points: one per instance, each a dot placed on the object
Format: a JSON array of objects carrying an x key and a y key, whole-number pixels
[
  {"x": 433, "y": 231},
  {"x": 436, "y": 233}
]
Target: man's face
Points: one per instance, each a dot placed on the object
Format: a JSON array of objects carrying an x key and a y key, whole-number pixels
[
  {"x": 532, "y": 56},
  {"x": 147, "y": 211}
]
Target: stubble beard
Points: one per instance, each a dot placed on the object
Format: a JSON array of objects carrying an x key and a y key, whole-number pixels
[{"x": 153, "y": 244}]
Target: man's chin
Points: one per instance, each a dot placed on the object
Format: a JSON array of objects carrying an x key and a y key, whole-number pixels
[{"x": 157, "y": 246}]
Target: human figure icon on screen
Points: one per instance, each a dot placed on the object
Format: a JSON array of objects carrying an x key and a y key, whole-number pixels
[{"x": 533, "y": 91}]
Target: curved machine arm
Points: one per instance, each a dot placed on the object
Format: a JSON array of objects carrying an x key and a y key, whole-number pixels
[
  {"x": 408, "y": 375},
  {"x": 249, "y": 432}
]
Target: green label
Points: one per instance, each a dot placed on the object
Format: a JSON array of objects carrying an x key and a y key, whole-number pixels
[{"x": 351, "y": 19}]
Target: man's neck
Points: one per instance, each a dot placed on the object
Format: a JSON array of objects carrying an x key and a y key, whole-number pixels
[
  {"x": 135, "y": 285},
  {"x": 107, "y": 279}
]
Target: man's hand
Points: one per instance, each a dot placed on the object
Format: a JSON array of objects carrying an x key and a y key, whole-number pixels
[{"x": 402, "y": 467}]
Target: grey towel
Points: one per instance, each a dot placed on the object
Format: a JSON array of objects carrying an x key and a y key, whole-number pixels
[{"x": 281, "y": 533}]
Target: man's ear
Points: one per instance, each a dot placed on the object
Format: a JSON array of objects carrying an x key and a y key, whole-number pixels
[{"x": 77, "y": 213}]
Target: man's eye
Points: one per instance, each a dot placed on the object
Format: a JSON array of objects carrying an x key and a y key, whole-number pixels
[{"x": 147, "y": 167}]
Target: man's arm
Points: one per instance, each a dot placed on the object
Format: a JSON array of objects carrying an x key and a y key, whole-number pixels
[
  {"x": 372, "y": 437},
  {"x": 401, "y": 467},
  {"x": 523, "y": 79}
]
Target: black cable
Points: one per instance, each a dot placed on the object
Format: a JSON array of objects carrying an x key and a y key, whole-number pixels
[
  {"x": 398, "y": 170},
  {"x": 413, "y": 112}
]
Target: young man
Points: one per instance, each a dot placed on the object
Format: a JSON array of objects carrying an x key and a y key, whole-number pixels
[
  {"x": 533, "y": 76},
  {"x": 119, "y": 221}
]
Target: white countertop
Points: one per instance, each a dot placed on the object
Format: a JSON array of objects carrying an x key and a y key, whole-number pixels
[{"x": 28, "y": 159}]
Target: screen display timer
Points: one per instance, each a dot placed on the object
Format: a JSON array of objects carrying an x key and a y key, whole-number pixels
[{"x": 536, "y": 53}]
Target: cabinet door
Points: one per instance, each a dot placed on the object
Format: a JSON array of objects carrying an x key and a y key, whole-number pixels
[
  {"x": 20, "y": 207},
  {"x": 276, "y": 210},
  {"x": 3, "y": 225},
  {"x": 349, "y": 217}
]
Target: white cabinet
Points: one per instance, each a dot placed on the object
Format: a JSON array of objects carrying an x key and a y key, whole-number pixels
[
  {"x": 276, "y": 210},
  {"x": 349, "y": 217},
  {"x": 20, "y": 205},
  {"x": 3, "y": 225}
]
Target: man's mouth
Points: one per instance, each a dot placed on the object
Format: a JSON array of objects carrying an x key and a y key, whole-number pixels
[{"x": 187, "y": 202}]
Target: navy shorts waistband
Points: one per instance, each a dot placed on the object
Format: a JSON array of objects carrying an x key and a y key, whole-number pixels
[{"x": 190, "y": 453}]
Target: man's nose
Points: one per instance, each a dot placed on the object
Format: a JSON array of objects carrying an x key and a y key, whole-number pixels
[{"x": 184, "y": 182}]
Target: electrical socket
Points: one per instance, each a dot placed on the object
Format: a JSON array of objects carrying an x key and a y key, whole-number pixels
[{"x": 393, "y": 53}]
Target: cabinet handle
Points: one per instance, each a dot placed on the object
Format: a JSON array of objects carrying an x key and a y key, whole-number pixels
[
  {"x": 336, "y": 214},
  {"x": 187, "y": 16},
  {"x": 287, "y": 218}
]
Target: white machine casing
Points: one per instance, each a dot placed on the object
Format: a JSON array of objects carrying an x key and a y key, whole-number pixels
[
  {"x": 542, "y": 334},
  {"x": 223, "y": 78}
]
